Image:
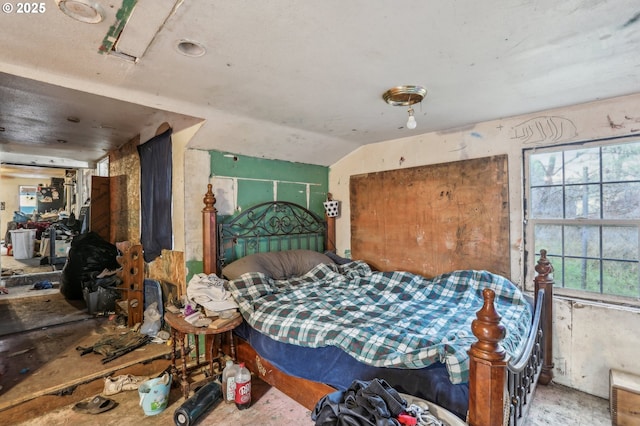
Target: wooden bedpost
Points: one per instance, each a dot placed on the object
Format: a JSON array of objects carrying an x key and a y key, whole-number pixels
[
  {"x": 210, "y": 233},
  {"x": 545, "y": 282},
  {"x": 488, "y": 400}
]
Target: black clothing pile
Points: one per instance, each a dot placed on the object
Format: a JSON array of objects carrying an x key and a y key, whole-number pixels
[{"x": 364, "y": 403}]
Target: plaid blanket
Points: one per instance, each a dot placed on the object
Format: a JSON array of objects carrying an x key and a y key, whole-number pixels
[{"x": 384, "y": 319}]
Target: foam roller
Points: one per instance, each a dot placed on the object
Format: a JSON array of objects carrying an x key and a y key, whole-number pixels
[{"x": 203, "y": 400}]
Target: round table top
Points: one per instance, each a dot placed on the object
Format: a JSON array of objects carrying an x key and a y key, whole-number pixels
[{"x": 177, "y": 322}]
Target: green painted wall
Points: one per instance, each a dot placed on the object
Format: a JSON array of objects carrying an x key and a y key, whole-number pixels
[{"x": 260, "y": 180}]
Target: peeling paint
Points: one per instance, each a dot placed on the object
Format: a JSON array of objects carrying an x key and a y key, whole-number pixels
[{"x": 122, "y": 16}]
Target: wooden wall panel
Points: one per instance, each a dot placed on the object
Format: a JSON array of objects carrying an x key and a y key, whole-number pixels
[
  {"x": 170, "y": 267},
  {"x": 124, "y": 170},
  {"x": 433, "y": 219}
]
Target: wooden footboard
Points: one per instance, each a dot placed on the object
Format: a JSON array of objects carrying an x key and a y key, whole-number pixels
[{"x": 499, "y": 388}]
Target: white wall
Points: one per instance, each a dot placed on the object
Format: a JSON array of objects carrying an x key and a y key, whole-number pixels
[
  {"x": 9, "y": 193},
  {"x": 589, "y": 338},
  {"x": 197, "y": 174},
  {"x": 180, "y": 169}
]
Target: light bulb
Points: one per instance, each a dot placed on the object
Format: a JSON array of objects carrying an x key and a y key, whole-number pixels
[{"x": 411, "y": 122}]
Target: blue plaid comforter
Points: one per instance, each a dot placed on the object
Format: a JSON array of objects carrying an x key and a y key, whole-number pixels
[{"x": 384, "y": 319}]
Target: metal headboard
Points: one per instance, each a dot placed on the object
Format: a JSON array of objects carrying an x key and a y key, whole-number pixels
[{"x": 270, "y": 226}]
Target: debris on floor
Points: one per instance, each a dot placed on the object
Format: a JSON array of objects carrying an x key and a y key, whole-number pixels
[{"x": 115, "y": 346}]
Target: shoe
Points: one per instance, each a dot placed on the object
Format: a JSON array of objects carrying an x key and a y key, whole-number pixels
[
  {"x": 133, "y": 382},
  {"x": 96, "y": 405},
  {"x": 114, "y": 385}
]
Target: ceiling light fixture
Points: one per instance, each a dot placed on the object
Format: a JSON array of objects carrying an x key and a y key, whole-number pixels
[
  {"x": 406, "y": 96},
  {"x": 86, "y": 11}
]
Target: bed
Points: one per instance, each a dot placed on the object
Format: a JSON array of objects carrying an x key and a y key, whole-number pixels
[{"x": 489, "y": 380}]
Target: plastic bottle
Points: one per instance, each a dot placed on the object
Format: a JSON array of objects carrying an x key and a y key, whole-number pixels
[
  {"x": 229, "y": 381},
  {"x": 243, "y": 387}
]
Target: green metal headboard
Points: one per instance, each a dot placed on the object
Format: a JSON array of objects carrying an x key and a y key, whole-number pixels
[{"x": 270, "y": 226}]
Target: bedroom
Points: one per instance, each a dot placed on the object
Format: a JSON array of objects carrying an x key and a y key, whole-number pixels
[{"x": 583, "y": 325}]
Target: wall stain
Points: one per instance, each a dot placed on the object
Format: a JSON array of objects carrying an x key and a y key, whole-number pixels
[{"x": 614, "y": 125}]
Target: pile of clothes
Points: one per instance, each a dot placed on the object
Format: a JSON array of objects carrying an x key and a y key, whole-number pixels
[{"x": 208, "y": 292}]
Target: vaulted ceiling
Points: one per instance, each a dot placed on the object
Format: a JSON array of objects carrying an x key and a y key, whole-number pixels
[{"x": 293, "y": 80}]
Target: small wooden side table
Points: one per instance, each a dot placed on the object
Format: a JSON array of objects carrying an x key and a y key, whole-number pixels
[{"x": 213, "y": 342}]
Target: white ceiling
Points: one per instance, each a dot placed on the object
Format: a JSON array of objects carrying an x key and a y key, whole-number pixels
[{"x": 303, "y": 80}]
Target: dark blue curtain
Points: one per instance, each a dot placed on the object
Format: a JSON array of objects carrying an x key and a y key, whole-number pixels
[{"x": 155, "y": 195}]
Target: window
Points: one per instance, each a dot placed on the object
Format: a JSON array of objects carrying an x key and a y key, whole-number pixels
[
  {"x": 583, "y": 206},
  {"x": 102, "y": 168}
]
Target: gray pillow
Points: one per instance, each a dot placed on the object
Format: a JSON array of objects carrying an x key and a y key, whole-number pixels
[{"x": 279, "y": 265}]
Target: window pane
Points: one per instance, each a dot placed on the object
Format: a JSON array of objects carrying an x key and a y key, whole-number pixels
[
  {"x": 582, "y": 165},
  {"x": 620, "y": 278},
  {"x": 621, "y": 162},
  {"x": 546, "y": 202},
  {"x": 621, "y": 200},
  {"x": 548, "y": 237},
  {"x": 620, "y": 242},
  {"x": 589, "y": 195},
  {"x": 582, "y": 201},
  {"x": 582, "y": 241},
  {"x": 545, "y": 168},
  {"x": 582, "y": 274}
]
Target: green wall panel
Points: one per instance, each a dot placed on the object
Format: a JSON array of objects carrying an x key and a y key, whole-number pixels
[
  {"x": 252, "y": 192},
  {"x": 256, "y": 178},
  {"x": 293, "y": 192},
  {"x": 226, "y": 164}
]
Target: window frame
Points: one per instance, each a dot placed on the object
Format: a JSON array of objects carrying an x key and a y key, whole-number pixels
[{"x": 529, "y": 224}]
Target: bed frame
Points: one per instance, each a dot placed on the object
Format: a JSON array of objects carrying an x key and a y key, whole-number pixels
[{"x": 499, "y": 388}]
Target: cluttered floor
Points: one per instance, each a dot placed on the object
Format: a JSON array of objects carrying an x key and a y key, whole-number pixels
[{"x": 43, "y": 375}]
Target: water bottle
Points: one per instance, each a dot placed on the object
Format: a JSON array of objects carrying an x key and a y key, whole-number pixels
[
  {"x": 229, "y": 381},
  {"x": 243, "y": 387}
]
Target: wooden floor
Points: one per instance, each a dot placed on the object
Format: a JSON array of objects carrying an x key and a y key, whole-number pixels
[
  {"x": 39, "y": 363},
  {"x": 553, "y": 405}
]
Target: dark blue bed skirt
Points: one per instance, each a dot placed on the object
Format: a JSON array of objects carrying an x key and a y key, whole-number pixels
[{"x": 336, "y": 368}]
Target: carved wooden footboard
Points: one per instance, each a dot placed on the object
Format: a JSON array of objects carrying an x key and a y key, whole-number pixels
[{"x": 499, "y": 388}]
